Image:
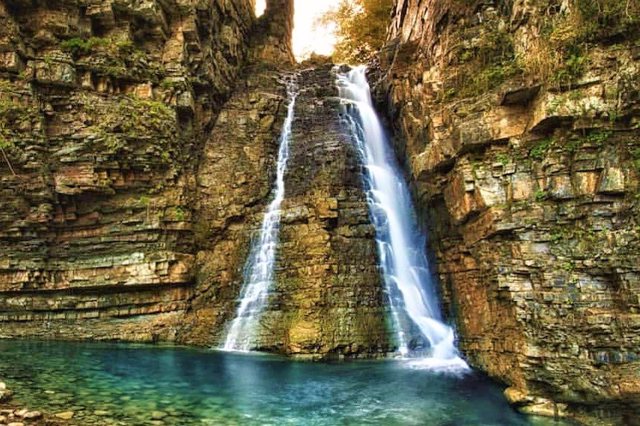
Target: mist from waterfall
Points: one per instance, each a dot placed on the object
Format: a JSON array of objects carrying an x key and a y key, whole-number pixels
[
  {"x": 416, "y": 317},
  {"x": 258, "y": 276}
]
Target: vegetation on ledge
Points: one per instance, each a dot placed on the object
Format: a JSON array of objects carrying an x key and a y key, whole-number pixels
[{"x": 361, "y": 29}]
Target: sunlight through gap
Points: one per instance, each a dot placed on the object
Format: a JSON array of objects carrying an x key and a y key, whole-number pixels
[{"x": 309, "y": 36}]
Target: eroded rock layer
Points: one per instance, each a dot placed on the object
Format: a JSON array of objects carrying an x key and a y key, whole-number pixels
[
  {"x": 329, "y": 296},
  {"x": 105, "y": 108},
  {"x": 518, "y": 123},
  {"x": 326, "y": 298},
  {"x": 140, "y": 157}
]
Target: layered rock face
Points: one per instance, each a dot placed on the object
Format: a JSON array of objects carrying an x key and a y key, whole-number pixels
[
  {"x": 105, "y": 109},
  {"x": 140, "y": 157},
  {"x": 527, "y": 175},
  {"x": 326, "y": 298},
  {"x": 272, "y": 38}
]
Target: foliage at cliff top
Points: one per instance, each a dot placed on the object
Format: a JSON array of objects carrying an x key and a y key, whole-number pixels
[
  {"x": 567, "y": 30},
  {"x": 361, "y": 28}
]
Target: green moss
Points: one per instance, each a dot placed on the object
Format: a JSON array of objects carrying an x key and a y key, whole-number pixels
[
  {"x": 539, "y": 151},
  {"x": 485, "y": 66},
  {"x": 179, "y": 214},
  {"x": 560, "y": 53},
  {"x": 598, "y": 138},
  {"x": 144, "y": 200},
  {"x": 13, "y": 114},
  {"x": 573, "y": 66},
  {"x": 568, "y": 266},
  {"x": 487, "y": 79},
  {"x": 541, "y": 195},
  {"x": 80, "y": 46},
  {"x": 502, "y": 158},
  {"x": 573, "y": 145},
  {"x": 125, "y": 47},
  {"x": 635, "y": 154},
  {"x": 115, "y": 58},
  {"x": 557, "y": 235},
  {"x": 128, "y": 119},
  {"x": 599, "y": 19},
  {"x": 4, "y": 143}
]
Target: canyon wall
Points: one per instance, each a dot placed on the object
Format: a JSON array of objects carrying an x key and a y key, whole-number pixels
[
  {"x": 105, "y": 108},
  {"x": 327, "y": 296},
  {"x": 518, "y": 124},
  {"x": 139, "y": 144}
]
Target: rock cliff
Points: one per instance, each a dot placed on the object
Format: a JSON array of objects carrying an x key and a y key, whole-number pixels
[
  {"x": 105, "y": 108},
  {"x": 518, "y": 125},
  {"x": 137, "y": 155},
  {"x": 327, "y": 297},
  {"x": 140, "y": 142}
]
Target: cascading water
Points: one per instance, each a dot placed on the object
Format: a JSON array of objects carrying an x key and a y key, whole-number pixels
[
  {"x": 401, "y": 246},
  {"x": 259, "y": 267}
]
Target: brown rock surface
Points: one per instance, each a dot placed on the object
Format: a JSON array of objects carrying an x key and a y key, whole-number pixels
[
  {"x": 328, "y": 295},
  {"x": 327, "y": 298},
  {"x": 105, "y": 107},
  {"x": 530, "y": 190},
  {"x": 144, "y": 151}
]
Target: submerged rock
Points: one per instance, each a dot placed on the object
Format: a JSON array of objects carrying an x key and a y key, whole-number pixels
[
  {"x": 158, "y": 415},
  {"x": 65, "y": 415},
  {"x": 32, "y": 415},
  {"x": 5, "y": 393}
]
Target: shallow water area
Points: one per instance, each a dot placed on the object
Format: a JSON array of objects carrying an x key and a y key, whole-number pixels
[{"x": 122, "y": 384}]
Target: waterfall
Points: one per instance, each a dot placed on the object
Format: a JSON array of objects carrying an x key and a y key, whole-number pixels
[
  {"x": 408, "y": 282},
  {"x": 258, "y": 274}
]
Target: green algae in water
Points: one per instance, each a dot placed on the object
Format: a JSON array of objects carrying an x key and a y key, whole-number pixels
[{"x": 117, "y": 384}]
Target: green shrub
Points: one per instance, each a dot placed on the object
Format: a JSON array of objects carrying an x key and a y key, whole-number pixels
[
  {"x": 79, "y": 46},
  {"x": 572, "y": 67},
  {"x": 602, "y": 18}
]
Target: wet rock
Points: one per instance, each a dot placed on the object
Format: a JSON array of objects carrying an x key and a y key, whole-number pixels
[
  {"x": 325, "y": 234},
  {"x": 32, "y": 415},
  {"x": 5, "y": 394},
  {"x": 65, "y": 415},
  {"x": 158, "y": 415}
]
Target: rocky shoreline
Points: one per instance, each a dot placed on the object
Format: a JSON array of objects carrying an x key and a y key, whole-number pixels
[{"x": 13, "y": 414}]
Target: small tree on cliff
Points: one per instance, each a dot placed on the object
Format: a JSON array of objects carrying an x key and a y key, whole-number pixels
[{"x": 361, "y": 28}]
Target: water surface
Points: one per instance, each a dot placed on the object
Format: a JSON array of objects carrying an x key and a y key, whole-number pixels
[{"x": 119, "y": 384}]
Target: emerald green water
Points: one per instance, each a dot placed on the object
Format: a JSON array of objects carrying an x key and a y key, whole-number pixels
[{"x": 117, "y": 384}]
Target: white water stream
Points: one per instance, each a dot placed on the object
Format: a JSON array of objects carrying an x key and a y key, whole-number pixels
[
  {"x": 260, "y": 264},
  {"x": 416, "y": 316}
]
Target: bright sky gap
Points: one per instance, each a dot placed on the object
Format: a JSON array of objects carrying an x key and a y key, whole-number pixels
[{"x": 308, "y": 35}]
